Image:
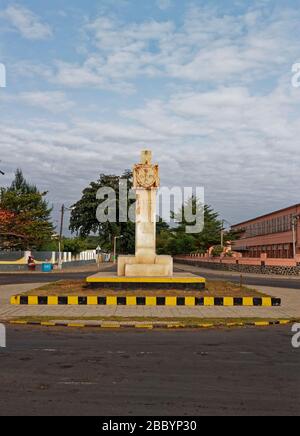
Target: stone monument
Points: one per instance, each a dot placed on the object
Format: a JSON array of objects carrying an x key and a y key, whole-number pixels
[
  {"x": 145, "y": 270},
  {"x": 145, "y": 263}
]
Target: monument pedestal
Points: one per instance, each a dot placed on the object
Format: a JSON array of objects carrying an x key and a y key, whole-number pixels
[{"x": 133, "y": 266}]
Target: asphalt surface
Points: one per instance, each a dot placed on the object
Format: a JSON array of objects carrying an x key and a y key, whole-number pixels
[
  {"x": 19, "y": 278},
  {"x": 149, "y": 373},
  {"x": 274, "y": 282}
]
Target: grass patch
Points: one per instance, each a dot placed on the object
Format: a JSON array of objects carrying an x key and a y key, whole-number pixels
[{"x": 214, "y": 288}]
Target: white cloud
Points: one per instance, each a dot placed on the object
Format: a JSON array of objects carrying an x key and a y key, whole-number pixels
[
  {"x": 209, "y": 47},
  {"x": 164, "y": 4},
  {"x": 227, "y": 119},
  {"x": 92, "y": 73},
  {"x": 26, "y": 22},
  {"x": 29, "y": 70},
  {"x": 241, "y": 146},
  {"x": 53, "y": 101}
]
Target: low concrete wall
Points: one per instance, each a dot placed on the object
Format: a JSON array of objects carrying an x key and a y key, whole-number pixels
[
  {"x": 243, "y": 268},
  {"x": 16, "y": 268},
  {"x": 7, "y": 256}
]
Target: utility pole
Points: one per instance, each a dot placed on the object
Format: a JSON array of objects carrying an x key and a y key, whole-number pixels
[
  {"x": 222, "y": 234},
  {"x": 223, "y": 230},
  {"x": 98, "y": 254},
  {"x": 60, "y": 236},
  {"x": 294, "y": 230}
]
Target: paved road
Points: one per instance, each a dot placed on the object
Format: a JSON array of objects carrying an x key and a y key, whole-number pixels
[
  {"x": 17, "y": 279},
  {"x": 249, "y": 279},
  {"x": 274, "y": 282},
  {"x": 86, "y": 372}
]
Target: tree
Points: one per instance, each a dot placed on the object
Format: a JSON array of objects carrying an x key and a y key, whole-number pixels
[
  {"x": 179, "y": 241},
  {"x": 179, "y": 244},
  {"x": 74, "y": 245},
  {"x": 217, "y": 251},
  {"x": 84, "y": 215},
  {"x": 7, "y": 229},
  {"x": 84, "y": 221},
  {"x": 6, "y": 217},
  {"x": 27, "y": 224},
  {"x": 211, "y": 233}
]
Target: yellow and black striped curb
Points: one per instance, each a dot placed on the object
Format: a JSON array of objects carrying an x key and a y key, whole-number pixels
[
  {"x": 145, "y": 301},
  {"x": 152, "y": 325}
]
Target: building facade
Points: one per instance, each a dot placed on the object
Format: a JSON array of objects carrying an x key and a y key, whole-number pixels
[{"x": 277, "y": 234}]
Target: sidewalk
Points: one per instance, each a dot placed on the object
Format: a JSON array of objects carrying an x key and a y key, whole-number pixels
[{"x": 290, "y": 308}]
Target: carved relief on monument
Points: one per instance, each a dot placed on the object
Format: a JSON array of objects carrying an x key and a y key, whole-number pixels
[{"x": 146, "y": 175}]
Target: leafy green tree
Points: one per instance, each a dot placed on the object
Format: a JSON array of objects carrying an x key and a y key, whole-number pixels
[
  {"x": 84, "y": 219},
  {"x": 162, "y": 226},
  {"x": 217, "y": 251},
  {"x": 162, "y": 240},
  {"x": 186, "y": 244},
  {"x": 180, "y": 244},
  {"x": 179, "y": 241},
  {"x": 211, "y": 233},
  {"x": 74, "y": 245},
  {"x": 92, "y": 242},
  {"x": 30, "y": 226}
]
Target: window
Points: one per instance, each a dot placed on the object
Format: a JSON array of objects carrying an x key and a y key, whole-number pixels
[{"x": 268, "y": 226}]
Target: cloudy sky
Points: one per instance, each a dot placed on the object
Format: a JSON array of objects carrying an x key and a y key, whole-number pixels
[{"x": 205, "y": 84}]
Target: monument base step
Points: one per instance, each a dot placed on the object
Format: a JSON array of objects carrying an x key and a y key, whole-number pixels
[
  {"x": 178, "y": 281},
  {"x": 137, "y": 270}
]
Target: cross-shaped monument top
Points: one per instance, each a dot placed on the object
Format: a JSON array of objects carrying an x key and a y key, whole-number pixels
[{"x": 146, "y": 158}]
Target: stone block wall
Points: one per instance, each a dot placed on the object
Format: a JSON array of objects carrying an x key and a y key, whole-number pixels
[{"x": 246, "y": 269}]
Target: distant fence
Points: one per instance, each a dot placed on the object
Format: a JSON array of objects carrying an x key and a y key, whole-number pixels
[
  {"x": 251, "y": 261},
  {"x": 17, "y": 260},
  {"x": 42, "y": 256},
  {"x": 11, "y": 255}
]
